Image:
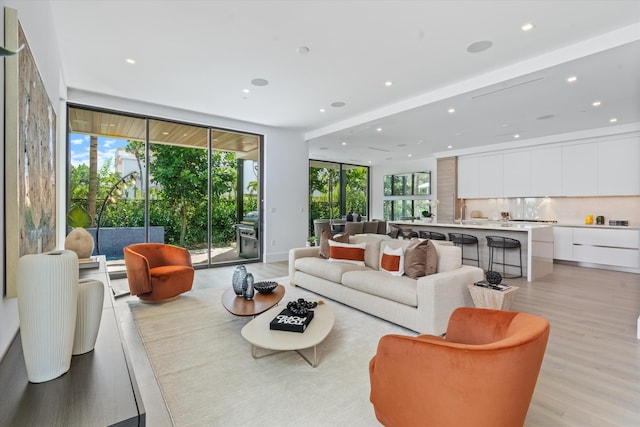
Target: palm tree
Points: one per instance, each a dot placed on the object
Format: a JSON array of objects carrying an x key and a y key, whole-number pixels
[{"x": 93, "y": 179}]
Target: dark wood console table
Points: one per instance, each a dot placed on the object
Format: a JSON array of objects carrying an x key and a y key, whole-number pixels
[{"x": 99, "y": 389}]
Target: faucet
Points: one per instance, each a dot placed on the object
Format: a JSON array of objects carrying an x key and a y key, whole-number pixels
[{"x": 463, "y": 208}]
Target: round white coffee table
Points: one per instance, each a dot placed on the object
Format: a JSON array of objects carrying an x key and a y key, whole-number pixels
[{"x": 257, "y": 332}]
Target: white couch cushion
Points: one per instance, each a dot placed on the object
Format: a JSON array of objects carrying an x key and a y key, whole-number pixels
[
  {"x": 449, "y": 258},
  {"x": 324, "y": 269},
  {"x": 399, "y": 289}
]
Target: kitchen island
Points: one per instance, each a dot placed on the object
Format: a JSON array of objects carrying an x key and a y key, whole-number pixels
[{"x": 536, "y": 241}]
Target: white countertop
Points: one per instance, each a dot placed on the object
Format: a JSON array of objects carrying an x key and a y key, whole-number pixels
[
  {"x": 608, "y": 227},
  {"x": 478, "y": 224}
]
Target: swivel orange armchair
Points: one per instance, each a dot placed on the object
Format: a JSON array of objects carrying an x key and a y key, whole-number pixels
[
  {"x": 483, "y": 374},
  {"x": 158, "y": 272}
]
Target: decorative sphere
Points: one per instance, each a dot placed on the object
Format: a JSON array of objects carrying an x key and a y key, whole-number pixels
[
  {"x": 493, "y": 277},
  {"x": 79, "y": 241}
]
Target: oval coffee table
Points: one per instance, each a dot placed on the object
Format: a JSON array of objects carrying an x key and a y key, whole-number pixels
[
  {"x": 257, "y": 332},
  {"x": 251, "y": 307}
]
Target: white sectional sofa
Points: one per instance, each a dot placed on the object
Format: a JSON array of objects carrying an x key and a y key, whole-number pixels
[{"x": 422, "y": 305}]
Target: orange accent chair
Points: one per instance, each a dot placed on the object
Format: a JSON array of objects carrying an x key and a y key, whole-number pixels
[
  {"x": 158, "y": 272},
  {"x": 482, "y": 374}
]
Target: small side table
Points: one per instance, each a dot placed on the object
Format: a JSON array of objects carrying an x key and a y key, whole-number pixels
[{"x": 490, "y": 298}]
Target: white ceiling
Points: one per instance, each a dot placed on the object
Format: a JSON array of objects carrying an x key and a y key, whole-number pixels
[{"x": 201, "y": 55}]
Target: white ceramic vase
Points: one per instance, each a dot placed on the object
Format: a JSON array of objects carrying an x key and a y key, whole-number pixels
[
  {"x": 47, "y": 289},
  {"x": 90, "y": 304}
]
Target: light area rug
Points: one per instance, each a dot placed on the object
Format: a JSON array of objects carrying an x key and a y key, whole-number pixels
[{"x": 208, "y": 377}]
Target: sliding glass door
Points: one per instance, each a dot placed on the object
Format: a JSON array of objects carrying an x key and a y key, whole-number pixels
[
  {"x": 140, "y": 179},
  {"x": 335, "y": 190}
]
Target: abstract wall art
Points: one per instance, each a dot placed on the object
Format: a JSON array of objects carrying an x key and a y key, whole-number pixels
[{"x": 30, "y": 153}]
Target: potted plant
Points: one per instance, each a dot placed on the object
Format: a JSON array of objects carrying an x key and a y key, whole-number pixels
[{"x": 427, "y": 216}]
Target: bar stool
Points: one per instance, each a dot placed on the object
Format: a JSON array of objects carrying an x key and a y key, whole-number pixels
[
  {"x": 462, "y": 240},
  {"x": 504, "y": 243},
  {"x": 432, "y": 235}
]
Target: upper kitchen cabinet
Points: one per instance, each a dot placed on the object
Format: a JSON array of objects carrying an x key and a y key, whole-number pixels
[
  {"x": 480, "y": 177},
  {"x": 546, "y": 172},
  {"x": 619, "y": 167},
  {"x": 491, "y": 176},
  {"x": 468, "y": 170},
  {"x": 517, "y": 174},
  {"x": 580, "y": 170}
]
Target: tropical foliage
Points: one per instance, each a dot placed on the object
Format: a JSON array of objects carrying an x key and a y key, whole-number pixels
[{"x": 178, "y": 194}]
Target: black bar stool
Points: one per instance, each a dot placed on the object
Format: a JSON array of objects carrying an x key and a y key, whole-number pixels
[
  {"x": 462, "y": 240},
  {"x": 504, "y": 243},
  {"x": 432, "y": 235}
]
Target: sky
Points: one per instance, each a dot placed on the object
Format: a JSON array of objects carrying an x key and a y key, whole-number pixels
[{"x": 79, "y": 145}]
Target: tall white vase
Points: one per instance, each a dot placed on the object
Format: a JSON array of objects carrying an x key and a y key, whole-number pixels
[
  {"x": 90, "y": 303},
  {"x": 47, "y": 289}
]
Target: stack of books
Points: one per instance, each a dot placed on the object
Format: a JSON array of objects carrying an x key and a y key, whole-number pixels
[
  {"x": 287, "y": 321},
  {"x": 485, "y": 284},
  {"x": 91, "y": 262}
]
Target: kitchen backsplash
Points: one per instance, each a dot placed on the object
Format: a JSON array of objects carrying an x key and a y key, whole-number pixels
[{"x": 566, "y": 210}]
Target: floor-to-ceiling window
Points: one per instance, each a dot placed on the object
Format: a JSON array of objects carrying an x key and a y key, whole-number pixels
[
  {"x": 140, "y": 179},
  {"x": 335, "y": 190}
]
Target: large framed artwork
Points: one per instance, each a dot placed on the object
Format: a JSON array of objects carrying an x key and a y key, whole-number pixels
[{"x": 30, "y": 153}]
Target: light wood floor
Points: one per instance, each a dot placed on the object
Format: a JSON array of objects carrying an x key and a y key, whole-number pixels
[{"x": 591, "y": 371}]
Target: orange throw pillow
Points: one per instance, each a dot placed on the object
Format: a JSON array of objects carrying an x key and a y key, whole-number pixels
[
  {"x": 324, "y": 242},
  {"x": 345, "y": 252},
  {"x": 392, "y": 261}
]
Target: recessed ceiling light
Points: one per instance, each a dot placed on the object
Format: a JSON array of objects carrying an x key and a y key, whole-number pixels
[
  {"x": 409, "y": 155},
  {"x": 112, "y": 125},
  {"x": 344, "y": 143},
  {"x": 165, "y": 133},
  {"x": 527, "y": 27},
  {"x": 379, "y": 129},
  {"x": 388, "y": 83},
  {"x": 369, "y": 161},
  {"x": 246, "y": 90},
  {"x": 451, "y": 110},
  {"x": 338, "y": 104},
  {"x": 572, "y": 79},
  {"x": 259, "y": 82},
  {"x": 596, "y": 103},
  {"x": 480, "y": 46},
  {"x": 322, "y": 110},
  {"x": 517, "y": 135},
  {"x": 613, "y": 120},
  {"x": 302, "y": 50},
  {"x": 449, "y": 146},
  {"x": 130, "y": 61}
]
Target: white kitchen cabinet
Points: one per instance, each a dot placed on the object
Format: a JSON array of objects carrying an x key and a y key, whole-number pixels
[
  {"x": 468, "y": 171},
  {"x": 563, "y": 243},
  {"x": 619, "y": 167},
  {"x": 491, "y": 176},
  {"x": 546, "y": 172},
  {"x": 580, "y": 170},
  {"x": 517, "y": 174},
  {"x": 613, "y": 247}
]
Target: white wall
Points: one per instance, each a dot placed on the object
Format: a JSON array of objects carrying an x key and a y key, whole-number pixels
[
  {"x": 379, "y": 171},
  {"x": 36, "y": 21}
]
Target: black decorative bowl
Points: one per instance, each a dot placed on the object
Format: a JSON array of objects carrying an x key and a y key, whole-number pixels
[{"x": 265, "y": 287}]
